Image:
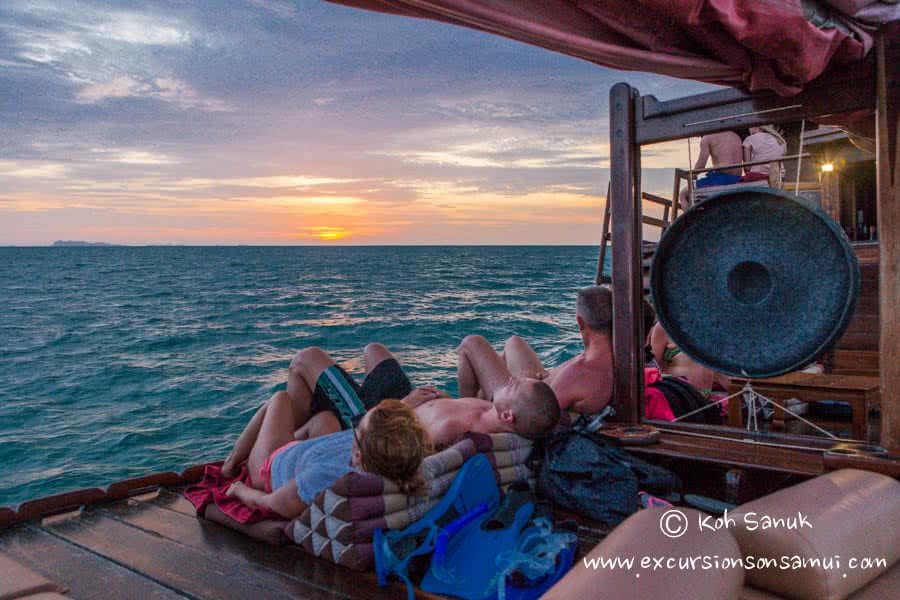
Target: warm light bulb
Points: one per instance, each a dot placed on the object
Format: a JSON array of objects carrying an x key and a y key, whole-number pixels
[{"x": 827, "y": 167}]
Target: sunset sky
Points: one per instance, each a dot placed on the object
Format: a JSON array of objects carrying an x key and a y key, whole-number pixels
[{"x": 298, "y": 122}]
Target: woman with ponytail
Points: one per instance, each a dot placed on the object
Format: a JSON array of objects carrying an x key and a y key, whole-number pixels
[{"x": 285, "y": 474}]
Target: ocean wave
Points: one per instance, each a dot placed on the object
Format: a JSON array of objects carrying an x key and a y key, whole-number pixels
[{"x": 149, "y": 359}]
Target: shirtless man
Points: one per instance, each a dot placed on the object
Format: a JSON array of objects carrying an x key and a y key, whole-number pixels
[
  {"x": 725, "y": 149},
  {"x": 525, "y": 406},
  {"x": 326, "y": 395},
  {"x": 582, "y": 384}
]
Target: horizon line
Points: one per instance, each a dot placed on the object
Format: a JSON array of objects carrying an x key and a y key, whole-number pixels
[{"x": 100, "y": 245}]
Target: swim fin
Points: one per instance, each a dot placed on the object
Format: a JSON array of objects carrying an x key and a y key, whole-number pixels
[
  {"x": 467, "y": 567},
  {"x": 473, "y": 493}
]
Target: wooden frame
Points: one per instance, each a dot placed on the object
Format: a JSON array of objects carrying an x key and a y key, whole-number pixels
[{"x": 636, "y": 120}]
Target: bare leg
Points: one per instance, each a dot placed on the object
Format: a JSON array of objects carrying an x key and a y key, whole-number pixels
[
  {"x": 305, "y": 369},
  {"x": 285, "y": 500},
  {"x": 684, "y": 198},
  {"x": 244, "y": 443},
  {"x": 321, "y": 423},
  {"x": 373, "y": 354},
  {"x": 277, "y": 429},
  {"x": 301, "y": 397},
  {"x": 480, "y": 367},
  {"x": 521, "y": 359}
]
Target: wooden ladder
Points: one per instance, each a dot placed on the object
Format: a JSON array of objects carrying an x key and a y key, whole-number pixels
[{"x": 670, "y": 211}]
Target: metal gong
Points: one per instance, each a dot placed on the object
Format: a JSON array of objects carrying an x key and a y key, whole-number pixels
[{"x": 754, "y": 282}]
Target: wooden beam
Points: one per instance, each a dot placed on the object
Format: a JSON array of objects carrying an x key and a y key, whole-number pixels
[
  {"x": 656, "y": 199},
  {"x": 628, "y": 374},
  {"x": 888, "y": 174},
  {"x": 847, "y": 90}
]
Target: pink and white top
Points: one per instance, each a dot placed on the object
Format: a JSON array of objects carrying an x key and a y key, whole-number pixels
[{"x": 763, "y": 146}]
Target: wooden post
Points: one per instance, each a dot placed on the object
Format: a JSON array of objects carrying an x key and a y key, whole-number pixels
[
  {"x": 831, "y": 195},
  {"x": 628, "y": 378},
  {"x": 888, "y": 147}
]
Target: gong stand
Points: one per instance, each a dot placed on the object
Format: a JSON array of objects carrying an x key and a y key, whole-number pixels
[{"x": 637, "y": 120}]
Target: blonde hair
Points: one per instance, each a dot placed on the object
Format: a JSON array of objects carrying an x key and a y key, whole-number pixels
[
  {"x": 393, "y": 445},
  {"x": 774, "y": 132}
]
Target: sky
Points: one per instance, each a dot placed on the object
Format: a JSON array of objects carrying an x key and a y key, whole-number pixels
[{"x": 298, "y": 122}]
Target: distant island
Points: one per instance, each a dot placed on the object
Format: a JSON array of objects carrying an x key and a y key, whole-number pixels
[{"x": 77, "y": 243}]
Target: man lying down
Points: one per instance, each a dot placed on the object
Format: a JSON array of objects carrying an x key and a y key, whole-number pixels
[{"x": 301, "y": 441}]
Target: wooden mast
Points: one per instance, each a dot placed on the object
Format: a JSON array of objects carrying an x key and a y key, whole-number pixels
[
  {"x": 627, "y": 282},
  {"x": 888, "y": 177}
]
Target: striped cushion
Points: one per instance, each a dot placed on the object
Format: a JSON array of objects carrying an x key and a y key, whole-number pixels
[{"x": 339, "y": 524}]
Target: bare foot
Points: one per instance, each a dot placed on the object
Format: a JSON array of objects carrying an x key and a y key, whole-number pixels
[
  {"x": 233, "y": 489},
  {"x": 244, "y": 493}
]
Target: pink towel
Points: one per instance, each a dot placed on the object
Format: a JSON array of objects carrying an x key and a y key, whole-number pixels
[
  {"x": 212, "y": 489},
  {"x": 656, "y": 406}
]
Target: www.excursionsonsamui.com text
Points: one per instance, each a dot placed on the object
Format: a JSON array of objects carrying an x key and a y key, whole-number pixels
[{"x": 711, "y": 562}]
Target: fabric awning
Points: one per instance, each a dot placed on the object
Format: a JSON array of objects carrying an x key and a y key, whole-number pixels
[{"x": 751, "y": 44}]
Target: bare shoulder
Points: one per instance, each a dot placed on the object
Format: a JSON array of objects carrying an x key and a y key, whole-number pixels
[{"x": 582, "y": 367}]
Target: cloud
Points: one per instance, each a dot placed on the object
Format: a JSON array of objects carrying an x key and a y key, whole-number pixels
[
  {"x": 138, "y": 28},
  {"x": 164, "y": 89},
  {"x": 107, "y": 54},
  {"x": 133, "y": 157},
  {"x": 272, "y": 181},
  {"x": 30, "y": 203},
  {"x": 32, "y": 169},
  {"x": 70, "y": 33},
  {"x": 280, "y": 8},
  {"x": 504, "y": 148}
]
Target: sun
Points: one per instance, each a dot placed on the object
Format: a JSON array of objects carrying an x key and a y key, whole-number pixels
[{"x": 330, "y": 234}]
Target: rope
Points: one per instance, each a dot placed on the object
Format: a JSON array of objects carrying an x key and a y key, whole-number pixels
[
  {"x": 800, "y": 160},
  {"x": 790, "y": 412},
  {"x": 744, "y": 440},
  {"x": 752, "y": 396},
  {"x": 711, "y": 404}
]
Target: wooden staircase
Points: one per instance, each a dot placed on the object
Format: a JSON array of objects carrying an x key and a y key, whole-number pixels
[{"x": 670, "y": 211}]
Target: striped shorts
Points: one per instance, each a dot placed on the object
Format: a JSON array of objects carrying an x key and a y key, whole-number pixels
[{"x": 338, "y": 392}]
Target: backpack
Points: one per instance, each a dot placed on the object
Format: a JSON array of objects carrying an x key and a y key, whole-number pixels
[
  {"x": 588, "y": 475},
  {"x": 684, "y": 398}
]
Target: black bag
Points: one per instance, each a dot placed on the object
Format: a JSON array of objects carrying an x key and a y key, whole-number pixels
[
  {"x": 583, "y": 473},
  {"x": 684, "y": 398}
]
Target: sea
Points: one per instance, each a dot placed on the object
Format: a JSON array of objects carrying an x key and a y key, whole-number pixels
[{"x": 117, "y": 362}]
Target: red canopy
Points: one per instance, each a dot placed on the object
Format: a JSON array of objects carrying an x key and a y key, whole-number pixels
[{"x": 751, "y": 44}]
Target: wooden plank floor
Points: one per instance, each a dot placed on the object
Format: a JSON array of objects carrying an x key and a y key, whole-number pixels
[{"x": 155, "y": 547}]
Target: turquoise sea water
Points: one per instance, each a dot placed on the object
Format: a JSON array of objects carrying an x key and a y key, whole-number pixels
[{"x": 122, "y": 361}]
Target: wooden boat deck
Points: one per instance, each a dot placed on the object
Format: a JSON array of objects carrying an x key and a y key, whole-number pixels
[{"x": 153, "y": 546}]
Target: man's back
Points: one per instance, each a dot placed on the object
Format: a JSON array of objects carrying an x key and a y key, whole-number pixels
[
  {"x": 725, "y": 149},
  {"x": 583, "y": 384}
]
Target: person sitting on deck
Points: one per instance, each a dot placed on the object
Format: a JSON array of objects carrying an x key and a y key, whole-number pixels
[
  {"x": 763, "y": 143},
  {"x": 674, "y": 363},
  {"x": 724, "y": 148},
  {"x": 286, "y": 474},
  {"x": 582, "y": 384}
]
